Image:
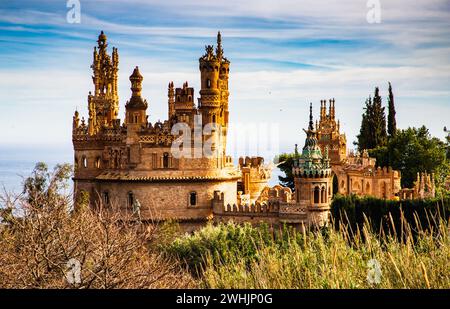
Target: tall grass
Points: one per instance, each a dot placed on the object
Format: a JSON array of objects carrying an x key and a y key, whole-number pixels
[{"x": 321, "y": 259}]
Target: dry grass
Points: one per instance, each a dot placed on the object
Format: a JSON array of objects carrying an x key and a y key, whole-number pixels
[{"x": 336, "y": 260}]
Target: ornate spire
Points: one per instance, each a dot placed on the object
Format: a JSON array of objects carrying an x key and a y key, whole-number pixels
[
  {"x": 102, "y": 41},
  {"x": 171, "y": 101},
  {"x": 311, "y": 162},
  {"x": 311, "y": 123},
  {"x": 136, "y": 82},
  {"x": 76, "y": 119},
  {"x": 219, "y": 50},
  {"x": 136, "y": 101}
]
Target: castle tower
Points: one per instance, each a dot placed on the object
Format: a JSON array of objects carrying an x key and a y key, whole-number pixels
[
  {"x": 213, "y": 102},
  {"x": 313, "y": 179},
  {"x": 328, "y": 133},
  {"x": 184, "y": 104},
  {"x": 136, "y": 107},
  {"x": 104, "y": 103}
]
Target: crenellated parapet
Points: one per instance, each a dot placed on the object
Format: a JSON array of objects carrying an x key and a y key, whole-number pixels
[
  {"x": 256, "y": 208},
  {"x": 276, "y": 194},
  {"x": 114, "y": 133}
]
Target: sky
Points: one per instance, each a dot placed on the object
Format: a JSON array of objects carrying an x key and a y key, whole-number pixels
[{"x": 284, "y": 55}]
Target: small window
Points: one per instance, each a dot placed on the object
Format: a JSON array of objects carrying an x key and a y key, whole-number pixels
[
  {"x": 193, "y": 199},
  {"x": 85, "y": 163},
  {"x": 208, "y": 83},
  {"x": 106, "y": 198},
  {"x": 136, "y": 118},
  {"x": 214, "y": 118},
  {"x": 166, "y": 160},
  {"x": 98, "y": 162},
  {"x": 130, "y": 199}
]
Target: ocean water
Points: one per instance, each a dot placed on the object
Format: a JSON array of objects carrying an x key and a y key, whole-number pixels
[{"x": 17, "y": 163}]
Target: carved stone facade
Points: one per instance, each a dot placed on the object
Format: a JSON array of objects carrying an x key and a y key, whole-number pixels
[{"x": 117, "y": 163}]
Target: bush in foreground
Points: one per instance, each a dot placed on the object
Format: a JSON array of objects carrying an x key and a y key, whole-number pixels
[
  {"x": 335, "y": 259},
  {"x": 46, "y": 245}
]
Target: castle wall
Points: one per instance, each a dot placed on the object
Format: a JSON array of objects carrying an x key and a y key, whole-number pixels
[
  {"x": 163, "y": 200},
  {"x": 379, "y": 183}
]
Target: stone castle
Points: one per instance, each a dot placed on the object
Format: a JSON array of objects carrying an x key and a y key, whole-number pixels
[{"x": 135, "y": 166}]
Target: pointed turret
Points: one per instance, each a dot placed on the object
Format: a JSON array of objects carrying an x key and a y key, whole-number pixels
[
  {"x": 171, "y": 100},
  {"x": 219, "y": 50},
  {"x": 136, "y": 107}
]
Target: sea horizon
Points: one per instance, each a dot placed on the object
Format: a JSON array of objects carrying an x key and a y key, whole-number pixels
[{"x": 18, "y": 161}]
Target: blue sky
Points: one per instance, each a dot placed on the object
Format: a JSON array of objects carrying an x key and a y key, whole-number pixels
[{"x": 284, "y": 54}]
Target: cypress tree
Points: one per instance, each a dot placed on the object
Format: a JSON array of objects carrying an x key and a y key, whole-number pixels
[
  {"x": 373, "y": 125},
  {"x": 378, "y": 121},
  {"x": 392, "y": 123},
  {"x": 365, "y": 140}
]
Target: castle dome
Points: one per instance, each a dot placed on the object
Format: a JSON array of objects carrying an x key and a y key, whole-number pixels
[{"x": 312, "y": 162}]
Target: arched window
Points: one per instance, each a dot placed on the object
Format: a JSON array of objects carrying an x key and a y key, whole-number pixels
[
  {"x": 166, "y": 160},
  {"x": 323, "y": 198},
  {"x": 178, "y": 98},
  {"x": 85, "y": 162},
  {"x": 98, "y": 162},
  {"x": 189, "y": 98},
  {"x": 335, "y": 188},
  {"x": 367, "y": 188},
  {"x": 193, "y": 199},
  {"x": 130, "y": 199},
  {"x": 316, "y": 195},
  {"x": 208, "y": 83},
  {"x": 214, "y": 118},
  {"x": 136, "y": 118},
  {"x": 106, "y": 198}
]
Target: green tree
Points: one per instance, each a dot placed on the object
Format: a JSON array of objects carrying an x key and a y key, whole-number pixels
[
  {"x": 447, "y": 139},
  {"x": 43, "y": 188},
  {"x": 364, "y": 138},
  {"x": 392, "y": 123},
  {"x": 285, "y": 163},
  {"x": 373, "y": 125},
  {"x": 378, "y": 121},
  {"x": 414, "y": 150}
]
